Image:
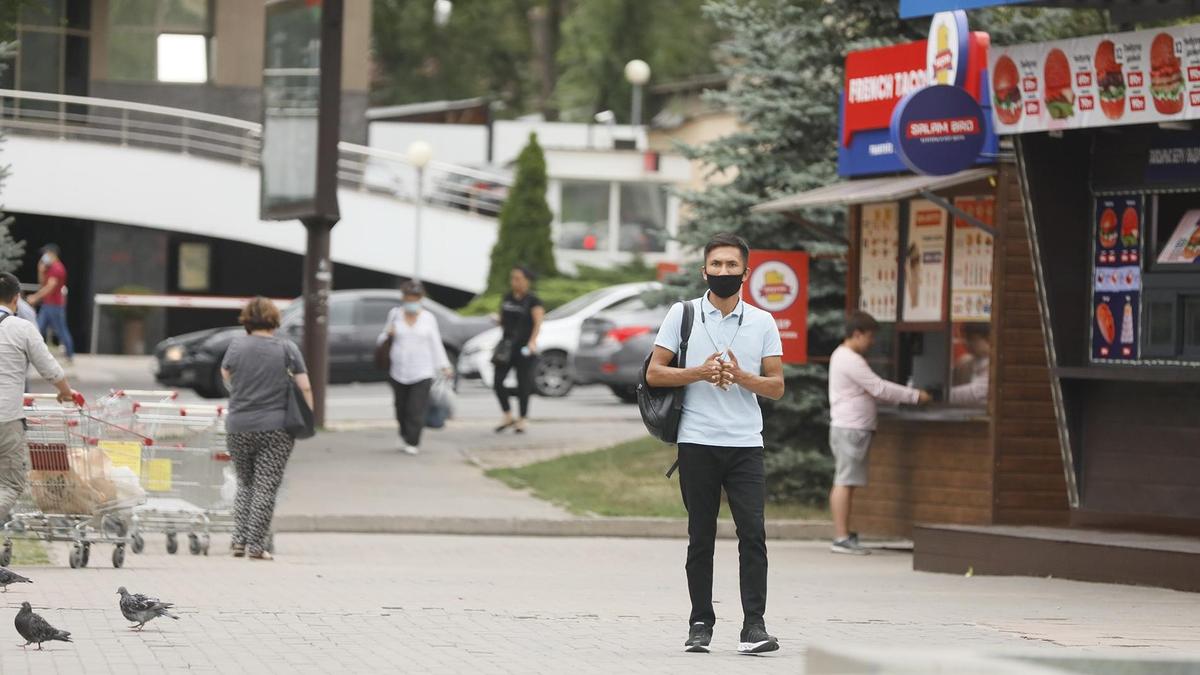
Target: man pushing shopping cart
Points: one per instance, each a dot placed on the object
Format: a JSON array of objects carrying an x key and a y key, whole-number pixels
[{"x": 20, "y": 346}]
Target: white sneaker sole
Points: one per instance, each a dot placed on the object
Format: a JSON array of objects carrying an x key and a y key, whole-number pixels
[
  {"x": 697, "y": 649},
  {"x": 848, "y": 551},
  {"x": 758, "y": 647}
]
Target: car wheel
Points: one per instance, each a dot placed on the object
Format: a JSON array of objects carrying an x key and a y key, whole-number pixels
[
  {"x": 626, "y": 392},
  {"x": 216, "y": 386},
  {"x": 553, "y": 376}
]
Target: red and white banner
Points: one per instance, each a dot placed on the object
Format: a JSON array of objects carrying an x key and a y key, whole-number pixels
[
  {"x": 779, "y": 285},
  {"x": 1141, "y": 77}
]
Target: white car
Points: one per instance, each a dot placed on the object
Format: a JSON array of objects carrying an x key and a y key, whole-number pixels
[{"x": 557, "y": 340}]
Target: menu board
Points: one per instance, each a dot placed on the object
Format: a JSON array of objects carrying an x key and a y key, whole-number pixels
[
  {"x": 1117, "y": 287},
  {"x": 1103, "y": 80},
  {"x": 925, "y": 261},
  {"x": 971, "y": 273},
  {"x": 1183, "y": 248},
  {"x": 880, "y": 250}
]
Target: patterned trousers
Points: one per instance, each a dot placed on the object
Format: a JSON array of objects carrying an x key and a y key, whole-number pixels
[{"x": 259, "y": 458}]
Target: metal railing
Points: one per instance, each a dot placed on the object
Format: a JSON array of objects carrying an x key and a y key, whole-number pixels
[{"x": 228, "y": 139}]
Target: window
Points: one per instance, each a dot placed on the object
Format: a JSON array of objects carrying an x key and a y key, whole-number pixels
[
  {"x": 375, "y": 312},
  {"x": 51, "y": 51},
  {"x": 584, "y": 216},
  {"x": 341, "y": 313},
  {"x": 575, "y": 306},
  {"x": 643, "y": 218},
  {"x": 163, "y": 40},
  {"x": 942, "y": 342}
]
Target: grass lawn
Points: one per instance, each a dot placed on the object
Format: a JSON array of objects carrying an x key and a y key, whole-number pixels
[
  {"x": 28, "y": 552},
  {"x": 623, "y": 480}
]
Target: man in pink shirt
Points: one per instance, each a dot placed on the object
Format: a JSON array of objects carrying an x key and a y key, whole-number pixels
[{"x": 853, "y": 390}]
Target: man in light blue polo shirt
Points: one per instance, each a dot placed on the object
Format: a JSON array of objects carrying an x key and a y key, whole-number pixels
[{"x": 734, "y": 356}]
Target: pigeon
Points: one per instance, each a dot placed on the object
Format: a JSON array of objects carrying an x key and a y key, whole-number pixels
[
  {"x": 35, "y": 629},
  {"x": 8, "y": 576},
  {"x": 139, "y": 608}
]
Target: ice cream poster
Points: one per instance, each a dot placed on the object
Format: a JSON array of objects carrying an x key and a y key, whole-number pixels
[
  {"x": 924, "y": 260},
  {"x": 1115, "y": 326},
  {"x": 1141, "y": 77}
]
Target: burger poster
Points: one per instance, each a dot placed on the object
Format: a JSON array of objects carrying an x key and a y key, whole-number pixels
[
  {"x": 1104, "y": 80},
  {"x": 1117, "y": 286},
  {"x": 925, "y": 261},
  {"x": 1183, "y": 248},
  {"x": 779, "y": 285},
  {"x": 879, "y": 250}
]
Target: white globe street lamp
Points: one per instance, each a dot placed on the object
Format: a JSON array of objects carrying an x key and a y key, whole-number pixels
[
  {"x": 441, "y": 12},
  {"x": 637, "y": 73},
  {"x": 420, "y": 154}
]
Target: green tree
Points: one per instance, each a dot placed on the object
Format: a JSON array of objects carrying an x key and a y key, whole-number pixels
[
  {"x": 601, "y": 36},
  {"x": 524, "y": 237},
  {"x": 485, "y": 50}
]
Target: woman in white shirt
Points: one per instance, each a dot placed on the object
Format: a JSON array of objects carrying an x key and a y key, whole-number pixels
[{"x": 417, "y": 355}]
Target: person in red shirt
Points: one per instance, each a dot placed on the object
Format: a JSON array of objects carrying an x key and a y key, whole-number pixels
[{"x": 53, "y": 298}]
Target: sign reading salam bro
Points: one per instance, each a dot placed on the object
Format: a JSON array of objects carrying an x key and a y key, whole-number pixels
[{"x": 938, "y": 130}]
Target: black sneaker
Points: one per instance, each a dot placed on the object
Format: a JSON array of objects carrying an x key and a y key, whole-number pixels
[
  {"x": 756, "y": 640},
  {"x": 698, "y": 638}
]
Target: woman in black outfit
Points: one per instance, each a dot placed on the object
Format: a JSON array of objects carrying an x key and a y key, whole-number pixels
[{"x": 521, "y": 315}]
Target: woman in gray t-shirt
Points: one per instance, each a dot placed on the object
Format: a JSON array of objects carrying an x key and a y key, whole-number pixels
[{"x": 257, "y": 369}]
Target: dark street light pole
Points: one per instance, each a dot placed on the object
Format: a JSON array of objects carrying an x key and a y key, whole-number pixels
[{"x": 318, "y": 268}]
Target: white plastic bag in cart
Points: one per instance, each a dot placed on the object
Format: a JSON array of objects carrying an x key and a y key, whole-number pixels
[
  {"x": 228, "y": 486},
  {"x": 441, "y": 403},
  {"x": 129, "y": 488}
]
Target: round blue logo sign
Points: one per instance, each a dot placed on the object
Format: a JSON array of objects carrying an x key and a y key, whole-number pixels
[{"x": 938, "y": 130}]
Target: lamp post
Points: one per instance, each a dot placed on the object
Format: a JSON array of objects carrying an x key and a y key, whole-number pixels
[
  {"x": 637, "y": 73},
  {"x": 419, "y": 154}
]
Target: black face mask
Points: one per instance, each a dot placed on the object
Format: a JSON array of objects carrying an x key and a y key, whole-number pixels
[{"x": 724, "y": 285}]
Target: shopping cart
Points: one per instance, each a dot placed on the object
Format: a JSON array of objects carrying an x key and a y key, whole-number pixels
[
  {"x": 186, "y": 473},
  {"x": 74, "y": 494}
]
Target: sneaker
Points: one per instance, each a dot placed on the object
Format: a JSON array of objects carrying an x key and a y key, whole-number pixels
[
  {"x": 756, "y": 640},
  {"x": 698, "y": 638},
  {"x": 411, "y": 449},
  {"x": 849, "y": 546}
]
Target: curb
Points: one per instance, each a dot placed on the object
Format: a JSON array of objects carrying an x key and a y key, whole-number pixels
[{"x": 649, "y": 528}]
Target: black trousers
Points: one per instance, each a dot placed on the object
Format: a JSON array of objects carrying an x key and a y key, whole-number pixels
[
  {"x": 525, "y": 366},
  {"x": 703, "y": 471},
  {"x": 412, "y": 403}
]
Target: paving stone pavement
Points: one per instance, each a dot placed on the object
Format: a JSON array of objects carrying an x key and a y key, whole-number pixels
[{"x": 439, "y": 604}]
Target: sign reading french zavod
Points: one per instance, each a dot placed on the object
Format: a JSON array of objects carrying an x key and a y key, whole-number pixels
[
  {"x": 1141, "y": 77},
  {"x": 779, "y": 284}
]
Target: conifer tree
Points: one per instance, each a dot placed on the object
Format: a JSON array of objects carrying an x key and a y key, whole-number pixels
[{"x": 524, "y": 237}]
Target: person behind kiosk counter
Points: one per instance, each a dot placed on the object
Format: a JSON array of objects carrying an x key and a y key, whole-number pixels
[
  {"x": 971, "y": 374},
  {"x": 20, "y": 345},
  {"x": 853, "y": 390}
]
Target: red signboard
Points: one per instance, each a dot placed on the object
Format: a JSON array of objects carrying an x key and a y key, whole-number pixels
[
  {"x": 779, "y": 284},
  {"x": 876, "y": 80}
]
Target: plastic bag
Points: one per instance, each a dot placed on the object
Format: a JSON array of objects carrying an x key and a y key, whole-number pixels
[{"x": 441, "y": 403}]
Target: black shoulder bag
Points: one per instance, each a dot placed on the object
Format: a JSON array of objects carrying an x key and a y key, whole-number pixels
[
  {"x": 298, "y": 417},
  {"x": 662, "y": 407}
]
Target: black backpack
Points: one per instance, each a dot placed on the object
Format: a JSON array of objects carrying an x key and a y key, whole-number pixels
[{"x": 661, "y": 407}]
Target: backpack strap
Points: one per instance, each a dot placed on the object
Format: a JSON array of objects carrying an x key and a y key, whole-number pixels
[{"x": 685, "y": 332}]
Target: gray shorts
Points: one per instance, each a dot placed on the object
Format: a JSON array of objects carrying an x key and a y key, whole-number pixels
[{"x": 850, "y": 447}]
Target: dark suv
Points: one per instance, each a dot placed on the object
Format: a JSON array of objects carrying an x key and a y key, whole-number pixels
[{"x": 356, "y": 318}]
